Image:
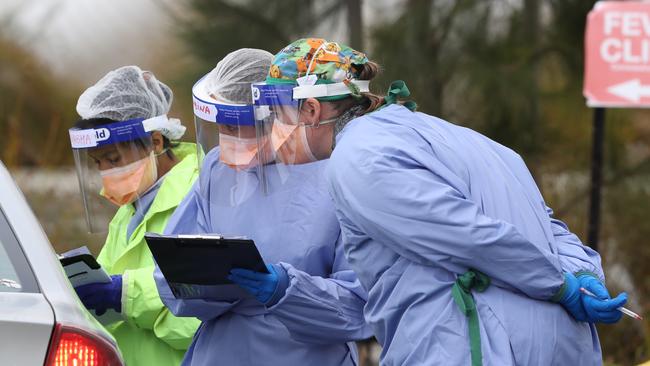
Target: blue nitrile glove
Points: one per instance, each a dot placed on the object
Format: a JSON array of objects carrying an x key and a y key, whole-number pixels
[
  {"x": 268, "y": 288},
  {"x": 569, "y": 297},
  {"x": 601, "y": 308},
  {"x": 102, "y": 296}
]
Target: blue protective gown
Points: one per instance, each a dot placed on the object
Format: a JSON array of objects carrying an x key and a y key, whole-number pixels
[
  {"x": 321, "y": 314},
  {"x": 420, "y": 201}
]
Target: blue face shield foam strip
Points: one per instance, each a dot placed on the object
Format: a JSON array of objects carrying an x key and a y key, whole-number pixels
[
  {"x": 274, "y": 95},
  {"x": 108, "y": 134}
]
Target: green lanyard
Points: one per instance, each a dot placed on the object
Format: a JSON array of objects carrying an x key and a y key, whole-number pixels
[{"x": 462, "y": 293}]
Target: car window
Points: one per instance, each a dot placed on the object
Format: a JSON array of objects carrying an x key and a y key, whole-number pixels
[{"x": 15, "y": 273}]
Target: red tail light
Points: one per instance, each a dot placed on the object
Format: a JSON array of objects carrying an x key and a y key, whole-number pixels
[{"x": 74, "y": 347}]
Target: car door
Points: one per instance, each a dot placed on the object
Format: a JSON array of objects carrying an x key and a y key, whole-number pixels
[{"x": 26, "y": 317}]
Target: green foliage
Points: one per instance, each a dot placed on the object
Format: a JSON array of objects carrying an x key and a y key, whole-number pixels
[{"x": 34, "y": 110}]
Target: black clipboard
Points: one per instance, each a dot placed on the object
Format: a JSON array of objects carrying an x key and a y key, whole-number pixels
[
  {"x": 203, "y": 259},
  {"x": 88, "y": 260}
]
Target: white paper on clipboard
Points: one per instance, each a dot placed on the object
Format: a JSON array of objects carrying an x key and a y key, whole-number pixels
[
  {"x": 76, "y": 266},
  {"x": 81, "y": 268}
]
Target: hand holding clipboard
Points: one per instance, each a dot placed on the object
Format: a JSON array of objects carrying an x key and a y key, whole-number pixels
[{"x": 197, "y": 266}]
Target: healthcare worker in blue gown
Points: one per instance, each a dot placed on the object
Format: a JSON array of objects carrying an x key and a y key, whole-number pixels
[
  {"x": 309, "y": 309},
  {"x": 463, "y": 261}
]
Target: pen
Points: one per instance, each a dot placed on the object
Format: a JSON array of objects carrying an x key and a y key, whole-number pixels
[{"x": 623, "y": 310}]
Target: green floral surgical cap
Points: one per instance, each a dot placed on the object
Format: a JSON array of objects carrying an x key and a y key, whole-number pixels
[{"x": 331, "y": 62}]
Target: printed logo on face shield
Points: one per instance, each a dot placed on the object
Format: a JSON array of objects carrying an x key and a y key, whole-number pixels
[
  {"x": 201, "y": 108},
  {"x": 102, "y": 134},
  {"x": 256, "y": 93}
]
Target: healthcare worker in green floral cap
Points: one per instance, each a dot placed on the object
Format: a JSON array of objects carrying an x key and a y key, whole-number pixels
[
  {"x": 127, "y": 153},
  {"x": 462, "y": 260},
  {"x": 307, "y": 309}
]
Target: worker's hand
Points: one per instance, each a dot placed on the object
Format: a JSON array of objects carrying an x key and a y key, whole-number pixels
[
  {"x": 569, "y": 297},
  {"x": 102, "y": 296},
  {"x": 601, "y": 307},
  {"x": 268, "y": 288}
]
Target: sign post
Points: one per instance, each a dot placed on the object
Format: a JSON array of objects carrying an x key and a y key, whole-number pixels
[
  {"x": 617, "y": 75},
  {"x": 598, "y": 134}
]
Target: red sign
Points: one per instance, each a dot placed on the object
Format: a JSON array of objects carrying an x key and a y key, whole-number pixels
[{"x": 617, "y": 55}]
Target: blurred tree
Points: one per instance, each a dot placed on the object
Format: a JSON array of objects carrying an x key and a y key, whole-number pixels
[
  {"x": 215, "y": 27},
  {"x": 355, "y": 24},
  {"x": 502, "y": 71},
  {"x": 34, "y": 110},
  {"x": 422, "y": 46},
  {"x": 497, "y": 67}
]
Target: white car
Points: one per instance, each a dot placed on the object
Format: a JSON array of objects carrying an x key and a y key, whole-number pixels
[{"x": 42, "y": 322}]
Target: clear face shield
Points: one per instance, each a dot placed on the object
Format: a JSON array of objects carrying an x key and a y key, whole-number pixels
[
  {"x": 115, "y": 164},
  {"x": 278, "y": 109},
  {"x": 230, "y": 147},
  {"x": 278, "y": 114}
]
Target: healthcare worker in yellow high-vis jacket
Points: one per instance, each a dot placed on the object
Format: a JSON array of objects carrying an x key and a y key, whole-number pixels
[{"x": 125, "y": 152}]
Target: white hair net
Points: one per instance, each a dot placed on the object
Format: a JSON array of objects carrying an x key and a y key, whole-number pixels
[
  {"x": 230, "y": 80},
  {"x": 127, "y": 93}
]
